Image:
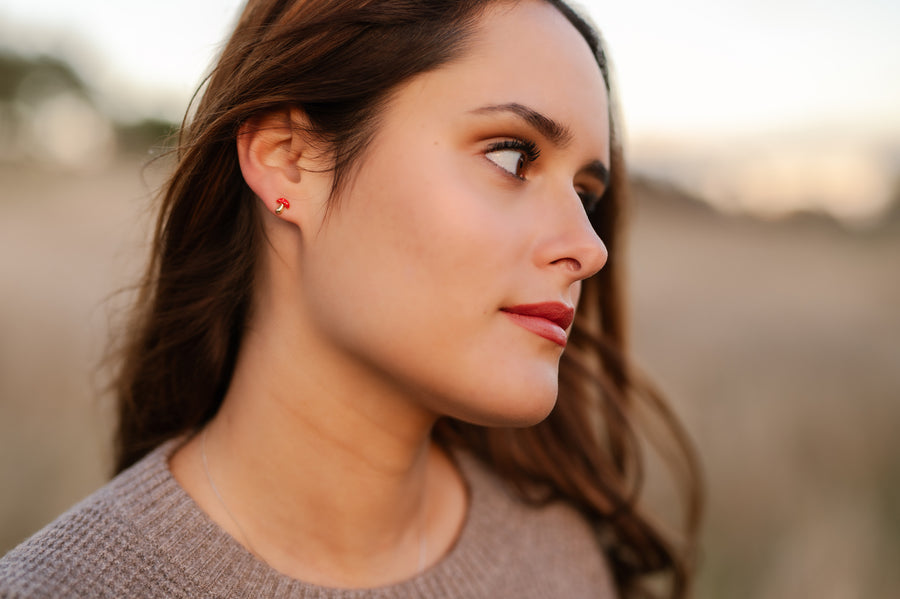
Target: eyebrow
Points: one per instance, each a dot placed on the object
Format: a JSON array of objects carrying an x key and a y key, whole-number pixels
[
  {"x": 599, "y": 171},
  {"x": 556, "y": 132}
]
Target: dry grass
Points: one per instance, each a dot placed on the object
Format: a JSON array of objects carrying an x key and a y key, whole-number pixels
[
  {"x": 778, "y": 342},
  {"x": 780, "y": 345}
]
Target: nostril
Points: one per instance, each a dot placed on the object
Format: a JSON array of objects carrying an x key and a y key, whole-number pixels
[{"x": 571, "y": 263}]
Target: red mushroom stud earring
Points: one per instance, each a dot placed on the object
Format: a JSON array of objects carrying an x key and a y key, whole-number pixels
[{"x": 283, "y": 205}]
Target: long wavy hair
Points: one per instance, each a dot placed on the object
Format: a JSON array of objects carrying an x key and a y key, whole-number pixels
[{"x": 338, "y": 61}]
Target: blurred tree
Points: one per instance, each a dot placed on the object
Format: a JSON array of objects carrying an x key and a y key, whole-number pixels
[
  {"x": 31, "y": 79},
  {"x": 28, "y": 84},
  {"x": 151, "y": 134}
]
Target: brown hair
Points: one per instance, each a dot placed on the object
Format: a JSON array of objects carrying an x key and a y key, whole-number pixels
[{"x": 338, "y": 61}]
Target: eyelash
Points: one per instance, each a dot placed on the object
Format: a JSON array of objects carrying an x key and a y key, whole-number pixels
[{"x": 530, "y": 151}]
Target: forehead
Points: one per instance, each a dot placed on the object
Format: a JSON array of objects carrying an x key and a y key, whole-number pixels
[{"x": 526, "y": 53}]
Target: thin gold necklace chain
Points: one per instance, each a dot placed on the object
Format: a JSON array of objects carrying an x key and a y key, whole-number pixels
[
  {"x": 423, "y": 547},
  {"x": 219, "y": 496}
]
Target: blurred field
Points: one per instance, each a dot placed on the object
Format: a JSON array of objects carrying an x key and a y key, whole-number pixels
[{"x": 778, "y": 342}]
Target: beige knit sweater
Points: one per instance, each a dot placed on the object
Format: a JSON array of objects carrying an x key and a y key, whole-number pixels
[{"x": 142, "y": 536}]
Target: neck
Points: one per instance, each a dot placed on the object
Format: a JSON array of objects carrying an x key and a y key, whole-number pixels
[{"x": 341, "y": 488}]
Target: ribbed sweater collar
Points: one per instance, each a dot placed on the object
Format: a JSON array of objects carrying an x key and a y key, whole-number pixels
[{"x": 197, "y": 548}]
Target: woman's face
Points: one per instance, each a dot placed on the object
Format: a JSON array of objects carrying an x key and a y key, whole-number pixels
[{"x": 465, "y": 212}]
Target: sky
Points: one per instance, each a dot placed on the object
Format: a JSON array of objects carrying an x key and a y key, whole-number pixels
[{"x": 807, "y": 91}]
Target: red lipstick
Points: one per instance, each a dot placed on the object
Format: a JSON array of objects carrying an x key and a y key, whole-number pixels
[{"x": 547, "y": 319}]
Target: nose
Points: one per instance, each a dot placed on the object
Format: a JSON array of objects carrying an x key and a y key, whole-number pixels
[{"x": 570, "y": 243}]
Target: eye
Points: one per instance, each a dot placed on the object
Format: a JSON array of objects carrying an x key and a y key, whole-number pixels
[
  {"x": 513, "y": 155},
  {"x": 589, "y": 200},
  {"x": 512, "y": 161}
]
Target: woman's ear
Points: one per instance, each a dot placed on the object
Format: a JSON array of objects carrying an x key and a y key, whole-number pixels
[{"x": 283, "y": 165}]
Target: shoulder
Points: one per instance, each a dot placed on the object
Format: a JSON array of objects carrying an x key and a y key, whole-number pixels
[
  {"x": 97, "y": 548},
  {"x": 551, "y": 547}
]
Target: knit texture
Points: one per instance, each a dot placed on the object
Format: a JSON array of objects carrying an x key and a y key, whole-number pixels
[{"x": 141, "y": 535}]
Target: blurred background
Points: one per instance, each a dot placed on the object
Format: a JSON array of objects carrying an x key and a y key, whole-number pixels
[{"x": 764, "y": 141}]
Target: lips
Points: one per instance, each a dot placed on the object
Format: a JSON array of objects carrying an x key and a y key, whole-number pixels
[{"x": 547, "y": 319}]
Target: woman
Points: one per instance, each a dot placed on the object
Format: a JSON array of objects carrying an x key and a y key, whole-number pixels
[{"x": 348, "y": 377}]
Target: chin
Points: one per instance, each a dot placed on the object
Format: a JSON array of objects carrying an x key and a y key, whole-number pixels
[
  {"x": 526, "y": 419},
  {"x": 522, "y": 406}
]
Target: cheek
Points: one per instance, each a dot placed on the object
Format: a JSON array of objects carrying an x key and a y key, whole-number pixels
[
  {"x": 408, "y": 278},
  {"x": 408, "y": 242},
  {"x": 428, "y": 220}
]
